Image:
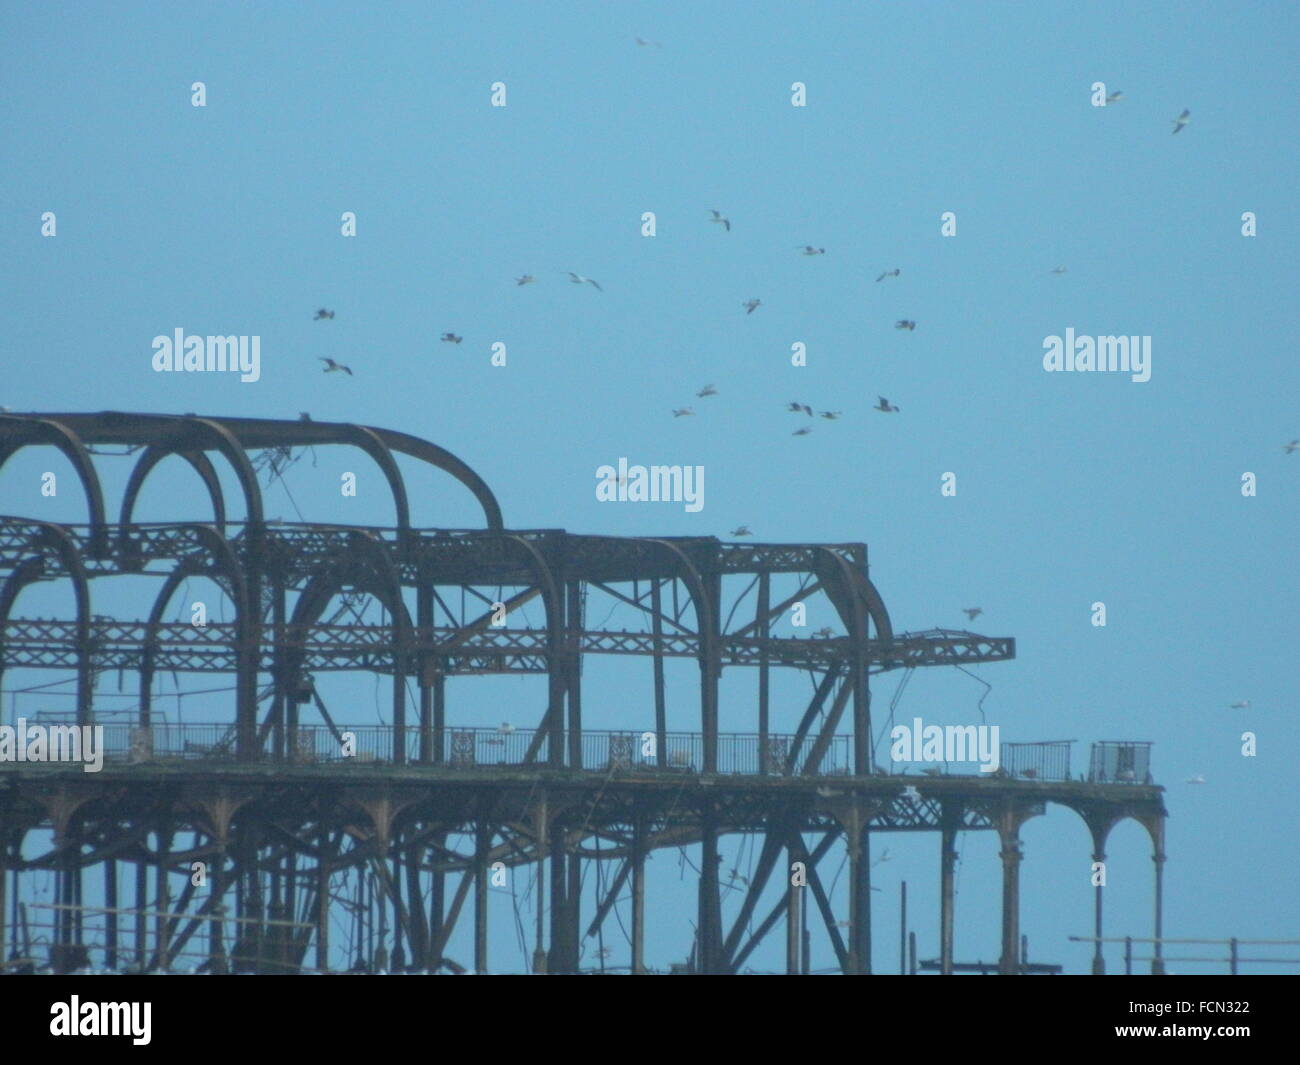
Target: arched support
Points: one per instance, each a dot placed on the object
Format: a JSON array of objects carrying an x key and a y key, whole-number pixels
[
  {"x": 153, "y": 455},
  {"x": 1155, "y": 826},
  {"x": 19, "y": 432}
]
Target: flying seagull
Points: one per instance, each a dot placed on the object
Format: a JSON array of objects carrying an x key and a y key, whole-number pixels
[
  {"x": 526, "y": 279},
  {"x": 1241, "y": 704},
  {"x": 808, "y": 249},
  {"x": 801, "y": 432},
  {"x": 323, "y": 313},
  {"x": 972, "y": 612},
  {"x": 740, "y": 530},
  {"x": 1058, "y": 271},
  {"x": 884, "y": 857},
  {"x": 1182, "y": 120},
  {"x": 333, "y": 367},
  {"x": 905, "y": 323},
  {"x": 831, "y": 415},
  {"x": 717, "y": 217},
  {"x": 707, "y": 390},
  {"x": 644, "y": 43},
  {"x": 1198, "y": 779},
  {"x": 1115, "y": 97},
  {"x": 452, "y": 338},
  {"x": 751, "y": 306},
  {"x": 800, "y": 408},
  {"x": 884, "y": 406},
  {"x": 578, "y": 279},
  {"x": 682, "y": 411},
  {"x": 889, "y": 273},
  {"x": 1293, "y": 446}
]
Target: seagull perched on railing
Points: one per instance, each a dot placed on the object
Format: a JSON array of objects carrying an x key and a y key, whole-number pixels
[
  {"x": 911, "y": 794},
  {"x": 333, "y": 367},
  {"x": 578, "y": 279},
  {"x": 932, "y": 771},
  {"x": 322, "y": 314},
  {"x": 505, "y": 727},
  {"x": 718, "y": 218},
  {"x": 825, "y": 633}
]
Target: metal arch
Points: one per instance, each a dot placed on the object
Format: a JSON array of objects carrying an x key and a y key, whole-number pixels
[
  {"x": 369, "y": 441},
  {"x": 448, "y": 463},
  {"x": 153, "y": 455},
  {"x": 380, "y": 580},
  {"x": 245, "y": 615},
  {"x": 557, "y": 664},
  {"x": 29, "y": 572},
  {"x": 710, "y": 665},
  {"x": 67, "y": 441},
  {"x": 230, "y": 446}
]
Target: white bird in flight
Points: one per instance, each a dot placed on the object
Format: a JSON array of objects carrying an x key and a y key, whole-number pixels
[
  {"x": 808, "y": 249},
  {"x": 681, "y": 412},
  {"x": 741, "y": 530},
  {"x": 526, "y": 279},
  {"x": 645, "y": 44},
  {"x": 333, "y": 367},
  {"x": 1182, "y": 120},
  {"x": 972, "y": 612},
  {"x": 831, "y": 415},
  {"x": 505, "y": 727},
  {"x": 801, "y": 432},
  {"x": 1293, "y": 446},
  {"x": 1198, "y": 779},
  {"x": 751, "y": 306},
  {"x": 800, "y": 408},
  {"x": 707, "y": 390},
  {"x": 825, "y": 633},
  {"x": 1115, "y": 97},
  {"x": 323, "y": 313},
  {"x": 722, "y": 221},
  {"x": 578, "y": 279},
  {"x": 884, "y": 405},
  {"x": 905, "y": 323},
  {"x": 889, "y": 273},
  {"x": 1058, "y": 271},
  {"x": 1241, "y": 704}
]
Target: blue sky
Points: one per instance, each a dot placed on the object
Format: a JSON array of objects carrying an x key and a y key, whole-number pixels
[{"x": 1072, "y": 488}]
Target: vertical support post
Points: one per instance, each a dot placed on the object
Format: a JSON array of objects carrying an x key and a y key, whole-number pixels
[
  {"x": 542, "y": 830},
  {"x": 710, "y": 669},
  {"x": 323, "y": 904},
  {"x": 437, "y": 899},
  {"x": 947, "y": 868},
  {"x": 482, "y": 843},
  {"x": 792, "y": 906},
  {"x": 110, "y": 903},
  {"x": 1098, "y": 961},
  {"x": 141, "y": 906},
  {"x": 439, "y": 714},
  {"x": 764, "y": 634},
  {"x": 163, "y": 892},
  {"x": 216, "y": 927},
  {"x": 1158, "y": 961},
  {"x": 424, "y": 629},
  {"x": 661, "y": 716},
  {"x": 902, "y": 932},
  {"x": 638, "y": 894},
  {"x": 4, "y": 887},
  {"x": 1008, "y": 964},
  {"x": 573, "y": 668}
]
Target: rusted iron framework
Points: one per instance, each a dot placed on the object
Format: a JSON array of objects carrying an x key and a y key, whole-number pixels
[{"x": 276, "y": 808}]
